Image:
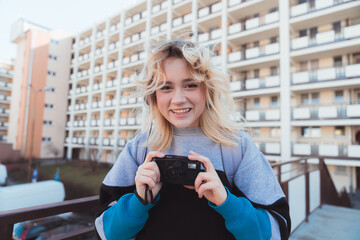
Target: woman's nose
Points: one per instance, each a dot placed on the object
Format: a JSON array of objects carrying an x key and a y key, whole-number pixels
[{"x": 178, "y": 97}]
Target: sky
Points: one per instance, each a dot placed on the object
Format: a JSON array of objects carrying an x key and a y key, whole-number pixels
[{"x": 71, "y": 15}]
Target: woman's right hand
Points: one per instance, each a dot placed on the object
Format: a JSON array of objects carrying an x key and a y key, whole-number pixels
[{"x": 148, "y": 173}]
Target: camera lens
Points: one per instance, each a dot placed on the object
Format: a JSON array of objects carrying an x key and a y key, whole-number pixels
[{"x": 171, "y": 173}]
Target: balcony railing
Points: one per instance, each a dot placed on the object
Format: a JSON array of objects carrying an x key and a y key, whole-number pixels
[
  {"x": 326, "y": 150},
  {"x": 256, "y": 52},
  {"x": 316, "y": 5},
  {"x": 255, "y": 83},
  {"x": 321, "y": 112},
  {"x": 326, "y": 38},
  {"x": 327, "y": 74},
  {"x": 262, "y": 115}
]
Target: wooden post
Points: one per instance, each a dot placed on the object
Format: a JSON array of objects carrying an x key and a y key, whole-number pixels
[{"x": 6, "y": 231}]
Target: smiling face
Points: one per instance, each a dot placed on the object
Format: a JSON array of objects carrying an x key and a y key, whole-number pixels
[{"x": 182, "y": 99}]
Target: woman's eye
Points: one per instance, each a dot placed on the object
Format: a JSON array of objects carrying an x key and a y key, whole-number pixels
[
  {"x": 192, "y": 85},
  {"x": 164, "y": 88}
]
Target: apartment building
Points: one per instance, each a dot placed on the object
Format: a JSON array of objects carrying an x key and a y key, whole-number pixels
[
  {"x": 6, "y": 76},
  {"x": 295, "y": 65},
  {"x": 41, "y": 73}
]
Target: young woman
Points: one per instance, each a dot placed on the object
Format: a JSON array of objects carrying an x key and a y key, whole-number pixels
[{"x": 189, "y": 111}]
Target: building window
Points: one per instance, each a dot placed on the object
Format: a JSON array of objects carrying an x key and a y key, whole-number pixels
[
  {"x": 50, "y": 106},
  {"x": 340, "y": 131},
  {"x": 273, "y": 40},
  {"x": 356, "y": 58},
  {"x": 256, "y": 44},
  {"x": 255, "y": 132},
  {"x": 302, "y": 33},
  {"x": 52, "y": 41},
  {"x": 274, "y": 71},
  {"x": 274, "y": 101},
  {"x": 313, "y": 32},
  {"x": 310, "y": 132},
  {"x": 48, "y": 123},
  {"x": 275, "y": 132},
  {"x": 339, "y": 96},
  {"x": 52, "y": 57},
  {"x": 256, "y": 102},
  {"x": 50, "y": 73},
  {"x": 46, "y": 139},
  {"x": 341, "y": 170},
  {"x": 304, "y": 98},
  {"x": 358, "y": 97},
  {"x": 337, "y": 61},
  {"x": 256, "y": 73},
  {"x": 337, "y": 27},
  {"x": 315, "y": 99}
]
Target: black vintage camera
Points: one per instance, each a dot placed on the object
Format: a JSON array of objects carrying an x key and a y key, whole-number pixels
[{"x": 178, "y": 169}]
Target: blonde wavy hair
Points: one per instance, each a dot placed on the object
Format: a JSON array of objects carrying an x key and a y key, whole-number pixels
[{"x": 218, "y": 119}]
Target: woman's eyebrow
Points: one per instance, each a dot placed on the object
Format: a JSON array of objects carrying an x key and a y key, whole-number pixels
[{"x": 188, "y": 80}]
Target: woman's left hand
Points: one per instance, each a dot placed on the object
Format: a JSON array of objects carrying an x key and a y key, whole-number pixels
[{"x": 208, "y": 183}]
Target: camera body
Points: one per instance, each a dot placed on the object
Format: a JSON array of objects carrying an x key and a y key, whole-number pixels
[{"x": 178, "y": 169}]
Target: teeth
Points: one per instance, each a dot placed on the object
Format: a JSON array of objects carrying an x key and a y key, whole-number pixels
[{"x": 181, "y": 111}]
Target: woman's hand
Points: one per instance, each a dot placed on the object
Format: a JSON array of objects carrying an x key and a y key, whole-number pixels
[
  {"x": 208, "y": 183},
  {"x": 148, "y": 173}
]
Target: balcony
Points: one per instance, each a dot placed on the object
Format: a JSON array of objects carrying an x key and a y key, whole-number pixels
[
  {"x": 329, "y": 42},
  {"x": 317, "y": 5},
  {"x": 269, "y": 148},
  {"x": 262, "y": 115},
  {"x": 345, "y": 72},
  {"x": 324, "y": 112},
  {"x": 326, "y": 150},
  {"x": 254, "y": 84}
]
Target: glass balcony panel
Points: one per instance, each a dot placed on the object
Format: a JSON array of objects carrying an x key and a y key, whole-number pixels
[
  {"x": 353, "y": 110},
  {"x": 125, "y": 80},
  {"x": 217, "y": 60},
  {"x": 272, "y": 17},
  {"x": 326, "y": 74},
  {"x": 156, "y": 8},
  {"x": 204, "y": 12},
  {"x": 301, "y": 149},
  {"x": 235, "y": 86},
  {"x": 77, "y": 107},
  {"x": 80, "y": 141},
  {"x": 78, "y": 90},
  {"x": 132, "y": 100},
  {"x": 92, "y": 141},
  {"x": 82, "y": 106},
  {"x": 252, "y": 83},
  {"x": 272, "y": 48},
  {"x": 252, "y": 115},
  {"x": 235, "y": 56},
  {"x": 110, "y": 65},
  {"x": 204, "y": 37},
  {"x": 135, "y": 37},
  {"x": 235, "y": 28},
  {"x": 113, "y": 102},
  {"x": 112, "y": 122},
  {"x": 97, "y": 141},
  {"x": 136, "y": 17},
  {"x": 301, "y": 113},
  {"x": 252, "y": 52},
  {"x": 81, "y": 123},
  {"x": 123, "y": 101},
  {"x": 107, "y": 122},
  {"x": 252, "y": 23},
  {"x": 273, "y": 114},
  {"x": 127, "y": 40},
  {"x": 328, "y": 150},
  {"x": 98, "y": 122},
  {"x": 353, "y": 151},
  {"x": 216, "y": 33},
  {"x": 300, "y": 77},
  {"x": 74, "y": 140},
  {"x": 122, "y": 121},
  {"x": 108, "y": 103},
  {"x": 177, "y": 21},
  {"x": 188, "y": 17},
  {"x": 131, "y": 121},
  {"x": 216, "y": 7},
  {"x": 352, "y": 31},
  {"x": 234, "y": 2},
  {"x": 163, "y": 27},
  {"x": 352, "y": 71},
  {"x": 325, "y": 37},
  {"x": 327, "y": 112},
  {"x": 126, "y": 60},
  {"x": 155, "y": 30},
  {"x": 299, "y": 9},
  {"x": 319, "y": 4},
  {"x": 164, "y": 4},
  {"x": 122, "y": 142},
  {"x": 272, "y": 148},
  {"x": 67, "y": 140},
  {"x": 272, "y": 81},
  {"x": 301, "y": 42}
]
